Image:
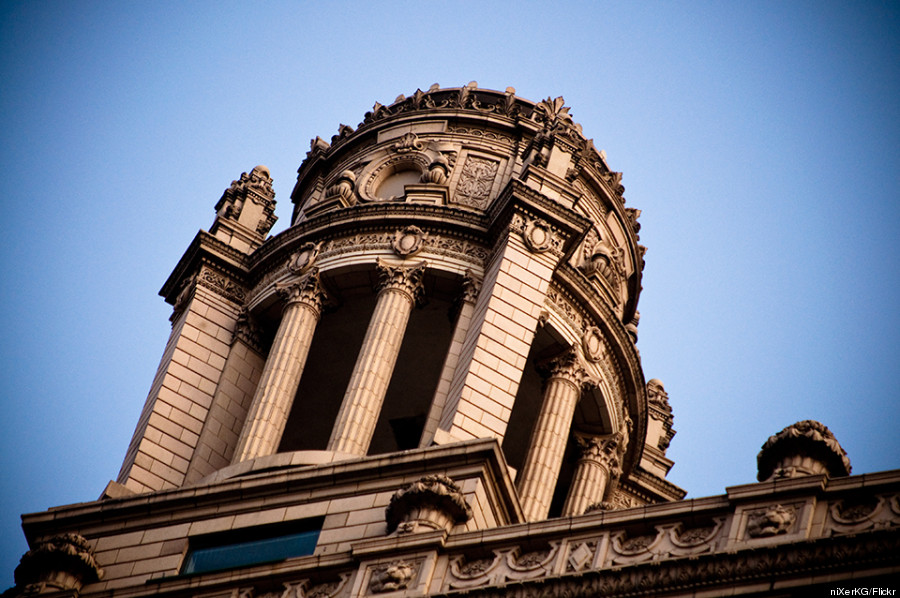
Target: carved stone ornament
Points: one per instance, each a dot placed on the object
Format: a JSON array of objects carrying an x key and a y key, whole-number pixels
[
  {"x": 592, "y": 344},
  {"x": 602, "y": 450},
  {"x": 434, "y": 502},
  {"x": 221, "y": 284},
  {"x": 407, "y": 279},
  {"x": 303, "y": 260},
  {"x": 393, "y": 577},
  {"x": 408, "y": 241},
  {"x": 65, "y": 562},
  {"x": 343, "y": 188},
  {"x": 566, "y": 366},
  {"x": 408, "y": 143},
  {"x": 804, "y": 448},
  {"x": 308, "y": 290},
  {"x": 538, "y": 236},
  {"x": 247, "y": 330},
  {"x": 255, "y": 187},
  {"x": 438, "y": 171},
  {"x": 476, "y": 181},
  {"x": 184, "y": 297},
  {"x": 772, "y": 521}
]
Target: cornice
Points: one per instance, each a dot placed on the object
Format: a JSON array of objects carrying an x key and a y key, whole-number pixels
[
  {"x": 207, "y": 249},
  {"x": 274, "y": 484},
  {"x": 359, "y": 218}
]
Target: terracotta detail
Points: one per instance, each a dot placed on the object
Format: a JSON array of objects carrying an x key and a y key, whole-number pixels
[
  {"x": 61, "y": 563},
  {"x": 434, "y": 502},
  {"x": 804, "y": 448}
]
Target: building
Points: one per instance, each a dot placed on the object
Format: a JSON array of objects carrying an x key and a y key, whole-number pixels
[{"x": 428, "y": 385}]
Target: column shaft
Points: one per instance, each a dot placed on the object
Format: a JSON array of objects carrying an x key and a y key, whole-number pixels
[
  {"x": 368, "y": 385},
  {"x": 278, "y": 384},
  {"x": 548, "y": 439}
]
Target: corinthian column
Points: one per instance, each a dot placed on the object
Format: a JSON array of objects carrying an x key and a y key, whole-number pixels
[
  {"x": 278, "y": 384},
  {"x": 399, "y": 289},
  {"x": 599, "y": 461},
  {"x": 548, "y": 440}
]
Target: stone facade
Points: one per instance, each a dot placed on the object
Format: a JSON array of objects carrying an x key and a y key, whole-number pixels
[{"x": 427, "y": 385}]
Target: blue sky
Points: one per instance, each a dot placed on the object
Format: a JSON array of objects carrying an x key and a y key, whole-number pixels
[{"x": 761, "y": 140}]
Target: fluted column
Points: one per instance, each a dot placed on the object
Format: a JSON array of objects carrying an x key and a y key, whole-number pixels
[
  {"x": 598, "y": 462},
  {"x": 548, "y": 439},
  {"x": 399, "y": 289},
  {"x": 278, "y": 384}
]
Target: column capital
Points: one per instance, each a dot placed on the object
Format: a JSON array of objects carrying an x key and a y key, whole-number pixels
[
  {"x": 405, "y": 279},
  {"x": 306, "y": 290},
  {"x": 471, "y": 286},
  {"x": 566, "y": 366},
  {"x": 247, "y": 329},
  {"x": 602, "y": 450}
]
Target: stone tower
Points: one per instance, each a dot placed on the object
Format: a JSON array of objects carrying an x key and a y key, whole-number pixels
[{"x": 419, "y": 387}]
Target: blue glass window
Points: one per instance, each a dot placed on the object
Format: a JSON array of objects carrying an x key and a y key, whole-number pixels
[{"x": 251, "y": 547}]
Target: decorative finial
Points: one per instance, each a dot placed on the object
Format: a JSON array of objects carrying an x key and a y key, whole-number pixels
[{"x": 804, "y": 448}]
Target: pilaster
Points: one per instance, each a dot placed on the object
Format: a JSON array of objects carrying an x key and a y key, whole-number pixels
[
  {"x": 234, "y": 394},
  {"x": 205, "y": 313},
  {"x": 470, "y": 288}
]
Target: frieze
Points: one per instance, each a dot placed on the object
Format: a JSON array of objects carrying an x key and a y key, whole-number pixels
[
  {"x": 666, "y": 542},
  {"x": 708, "y": 570},
  {"x": 506, "y": 565},
  {"x": 482, "y": 133},
  {"x": 451, "y": 247},
  {"x": 580, "y": 555},
  {"x": 221, "y": 284},
  {"x": 304, "y": 588},
  {"x": 850, "y": 516}
]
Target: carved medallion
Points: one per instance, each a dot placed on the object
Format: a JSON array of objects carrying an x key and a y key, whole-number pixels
[
  {"x": 592, "y": 344},
  {"x": 538, "y": 236},
  {"x": 304, "y": 258},
  {"x": 408, "y": 241}
]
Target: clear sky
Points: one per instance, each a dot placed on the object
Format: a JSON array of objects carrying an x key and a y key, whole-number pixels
[{"x": 760, "y": 139}]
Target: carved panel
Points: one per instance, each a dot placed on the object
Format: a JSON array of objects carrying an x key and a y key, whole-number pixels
[
  {"x": 771, "y": 521},
  {"x": 476, "y": 181},
  {"x": 849, "y": 516}
]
